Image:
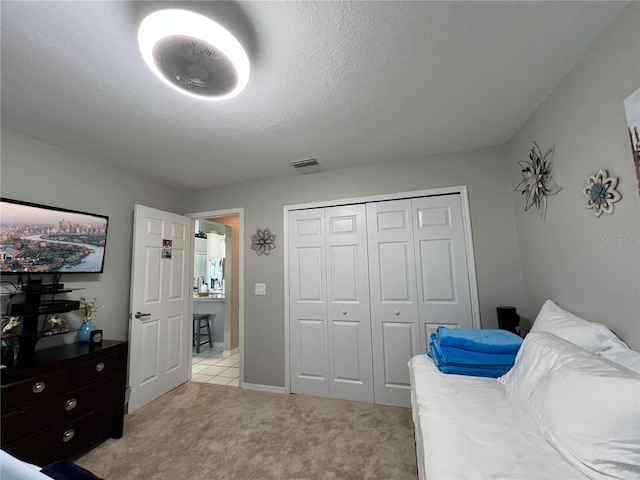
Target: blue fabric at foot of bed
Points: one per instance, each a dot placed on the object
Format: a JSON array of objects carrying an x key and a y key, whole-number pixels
[{"x": 63, "y": 470}]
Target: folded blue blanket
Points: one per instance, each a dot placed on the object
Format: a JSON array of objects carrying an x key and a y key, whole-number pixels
[
  {"x": 487, "y": 341},
  {"x": 460, "y": 356},
  {"x": 492, "y": 371}
]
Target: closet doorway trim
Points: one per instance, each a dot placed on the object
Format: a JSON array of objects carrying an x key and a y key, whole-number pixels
[{"x": 471, "y": 262}]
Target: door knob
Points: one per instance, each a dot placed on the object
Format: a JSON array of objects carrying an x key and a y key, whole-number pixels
[
  {"x": 344, "y": 312},
  {"x": 142, "y": 315},
  {"x": 396, "y": 313}
]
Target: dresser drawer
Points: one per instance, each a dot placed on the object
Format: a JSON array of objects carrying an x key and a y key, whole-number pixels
[
  {"x": 97, "y": 367},
  {"x": 65, "y": 438},
  {"x": 38, "y": 387},
  {"x": 22, "y": 422}
]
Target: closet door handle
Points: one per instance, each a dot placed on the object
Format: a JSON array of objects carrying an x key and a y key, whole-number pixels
[{"x": 344, "y": 312}]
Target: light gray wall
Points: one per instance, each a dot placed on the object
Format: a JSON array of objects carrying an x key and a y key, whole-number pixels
[
  {"x": 37, "y": 172},
  {"x": 582, "y": 262},
  {"x": 485, "y": 172},
  {"x": 589, "y": 265}
]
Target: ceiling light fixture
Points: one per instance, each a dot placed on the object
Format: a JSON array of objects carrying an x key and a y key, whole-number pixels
[{"x": 193, "y": 54}]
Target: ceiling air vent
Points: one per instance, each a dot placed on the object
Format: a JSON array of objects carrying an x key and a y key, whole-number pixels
[{"x": 310, "y": 162}]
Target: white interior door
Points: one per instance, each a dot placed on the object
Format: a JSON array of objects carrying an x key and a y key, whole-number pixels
[
  {"x": 394, "y": 309},
  {"x": 160, "y": 294},
  {"x": 307, "y": 303},
  {"x": 444, "y": 297},
  {"x": 348, "y": 312}
]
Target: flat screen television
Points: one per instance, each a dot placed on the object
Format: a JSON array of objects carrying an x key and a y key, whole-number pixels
[{"x": 36, "y": 239}]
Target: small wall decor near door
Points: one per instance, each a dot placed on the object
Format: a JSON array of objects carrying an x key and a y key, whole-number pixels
[
  {"x": 537, "y": 181},
  {"x": 601, "y": 193},
  {"x": 263, "y": 241}
]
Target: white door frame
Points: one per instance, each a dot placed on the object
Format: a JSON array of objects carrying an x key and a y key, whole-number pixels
[
  {"x": 466, "y": 218},
  {"x": 212, "y": 214}
]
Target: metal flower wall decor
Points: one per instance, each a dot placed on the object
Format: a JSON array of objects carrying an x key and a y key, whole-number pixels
[
  {"x": 601, "y": 192},
  {"x": 263, "y": 241},
  {"x": 537, "y": 180}
]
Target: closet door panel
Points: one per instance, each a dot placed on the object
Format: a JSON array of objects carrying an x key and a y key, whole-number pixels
[
  {"x": 397, "y": 339},
  {"x": 394, "y": 312},
  {"x": 346, "y": 352},
  {"x": 307, "y": 303},
  {"x": 311, "y": 342},
  {"x": 349, "y": 348},
  {"x": 444, "y": 296}
]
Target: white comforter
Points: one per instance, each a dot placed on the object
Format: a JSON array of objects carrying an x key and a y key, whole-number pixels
[
  {"x": 13, "y": 469},
  {"x": 466, "y": 428}
]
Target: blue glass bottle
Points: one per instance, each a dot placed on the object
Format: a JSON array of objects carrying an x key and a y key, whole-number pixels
[{"x": 84, "y": 334}]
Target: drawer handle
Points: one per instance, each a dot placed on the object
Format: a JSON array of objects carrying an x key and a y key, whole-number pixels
[
  {"x": 38, "y": 387},
  {"x": 68, "y": 435},
  {"x": 99, "y": 367},
  {"x": 71, "y": 404}
]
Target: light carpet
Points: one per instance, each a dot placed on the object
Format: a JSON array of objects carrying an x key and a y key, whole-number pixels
[{"x": 203, "y": 431}]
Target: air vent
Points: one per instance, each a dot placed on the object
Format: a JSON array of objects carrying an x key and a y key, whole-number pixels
[{"x": 310, "y": 162}]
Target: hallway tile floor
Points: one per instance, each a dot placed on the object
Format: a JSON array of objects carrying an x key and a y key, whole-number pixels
[{"x": 214, "y": 365}]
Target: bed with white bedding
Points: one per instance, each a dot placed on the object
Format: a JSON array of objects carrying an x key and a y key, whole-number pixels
[{"x": 569, "y": 409}]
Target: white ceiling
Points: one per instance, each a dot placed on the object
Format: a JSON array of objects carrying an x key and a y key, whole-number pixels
[{"x": 345, "y": 82}]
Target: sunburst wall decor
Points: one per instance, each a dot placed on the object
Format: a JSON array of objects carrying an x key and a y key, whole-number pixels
[
  {"x": 601, "y": 192},
  {"x": 263, "y": 241},
  {"x": 537, "y": 180}
]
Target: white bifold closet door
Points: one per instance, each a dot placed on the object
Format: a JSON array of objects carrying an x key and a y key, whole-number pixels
[
  {"x": 444, "y": 294},
  {"x": 330, "y": 330},
  {"x": 368, "y": 284},
  {"x": 419, "y": 280},
  {"x": 394, "y": 305}
]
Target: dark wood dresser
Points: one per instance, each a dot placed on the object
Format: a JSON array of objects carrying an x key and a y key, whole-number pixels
[{"x": 64, "y": 400}]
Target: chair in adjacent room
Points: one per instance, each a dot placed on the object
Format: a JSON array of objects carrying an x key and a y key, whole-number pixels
[{"x": 200, "y": 321}]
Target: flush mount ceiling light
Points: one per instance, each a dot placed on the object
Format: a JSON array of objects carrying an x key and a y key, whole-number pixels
[{"x": 193, "y": 54}]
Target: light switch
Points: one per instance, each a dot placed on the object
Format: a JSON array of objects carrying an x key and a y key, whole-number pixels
[{"x": 261, "y": 288}]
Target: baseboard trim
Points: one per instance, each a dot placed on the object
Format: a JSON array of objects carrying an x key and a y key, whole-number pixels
[{"x": 262, "y": 388}]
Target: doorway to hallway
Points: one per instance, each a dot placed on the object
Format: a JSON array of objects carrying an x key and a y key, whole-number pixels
[{"x": 221, "y": 361}]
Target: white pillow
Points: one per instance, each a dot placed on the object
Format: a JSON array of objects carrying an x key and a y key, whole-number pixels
[
  {"x": 623, "y": 356},
  {"x": 539, "y": 353},
  {"x": 591, "y": 336},
  {"x": 586, "y": 407}
]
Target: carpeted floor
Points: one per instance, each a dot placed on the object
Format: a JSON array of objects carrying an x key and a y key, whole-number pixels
[{"x": 201, "y": 431}]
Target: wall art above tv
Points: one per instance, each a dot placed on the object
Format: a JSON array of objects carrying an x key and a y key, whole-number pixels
[{"x": 36, "y": 239}]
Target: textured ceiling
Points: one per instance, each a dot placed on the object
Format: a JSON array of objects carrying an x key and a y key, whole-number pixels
[{"x": 345, "y": 82}]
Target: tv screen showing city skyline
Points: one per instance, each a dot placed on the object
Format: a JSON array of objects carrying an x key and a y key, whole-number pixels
[{"x": 43, "y": 239}]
